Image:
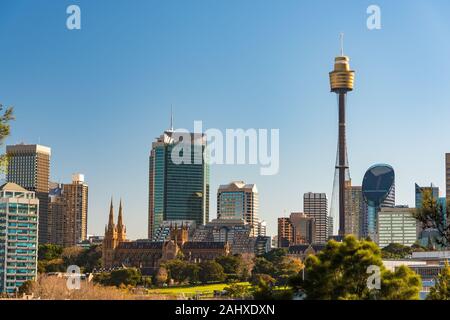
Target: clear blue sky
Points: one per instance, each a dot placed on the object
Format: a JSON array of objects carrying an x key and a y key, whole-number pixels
[{"x": 99, "y": 96}]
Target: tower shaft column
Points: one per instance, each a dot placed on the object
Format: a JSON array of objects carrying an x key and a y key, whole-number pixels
[{"x": 342, "y": 165}]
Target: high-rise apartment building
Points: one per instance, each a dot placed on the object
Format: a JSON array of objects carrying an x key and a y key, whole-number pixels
[
  {"x": 315, "y": 205},
  {"x": 238, "y": 200},
  {"x": 68, "y": 212},
  {"x": 396, "y": 225},
  {"x": 178, "y": 181},
  {"x": 29, "y": 167},
  {"x": 19, "y": 215}
]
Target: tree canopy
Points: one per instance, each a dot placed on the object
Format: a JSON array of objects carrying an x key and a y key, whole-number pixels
[{"x": 341, "y": 271}]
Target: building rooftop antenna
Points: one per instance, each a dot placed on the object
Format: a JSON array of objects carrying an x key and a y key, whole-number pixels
[
  {"x": 171, "y": 117},
  {"x": 341, "y": 38}
]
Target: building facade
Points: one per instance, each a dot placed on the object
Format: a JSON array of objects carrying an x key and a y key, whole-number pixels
[
  {"x": 238, "y": 200},
  {"x": 396, "y": 225},
  {"x": 285, "y": 232},
  {"x": 178, "y": 190},
  {"x": 355, "y": 211},
  {"x": 303, "y": 229},
  {"x": 19, "y": 216},
  {"x": 29, "y": 167},
  {"x": 68, "y": 212},
  {"x": 76, "y": 198},
  {"x": 315, "y": 205}
]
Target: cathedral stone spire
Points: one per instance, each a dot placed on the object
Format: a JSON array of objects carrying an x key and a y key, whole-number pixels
[
  {"x": 111, "y": 216},
  {"x": 121, "y": 230}
]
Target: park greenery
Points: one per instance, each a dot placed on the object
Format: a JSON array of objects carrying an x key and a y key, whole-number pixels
[
  {"x": 441, "y": 290},
  {"x": 340, "y": 272},
  {"x": 54, "y": 258}
]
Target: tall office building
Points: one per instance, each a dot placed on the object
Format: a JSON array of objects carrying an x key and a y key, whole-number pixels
[
  {"x": 19, "y": 215},
  {"x": 29, "y": 167},
  {"x": 238, "y": 200},
  {"x": 396, "y": 225},
  {"x": 285, "y": 232},
  {"x": 178, "y": 190},
  {"x": 355, "y": 211},
  {"x": 68, "y": 212},
  {"x": 315, "y": 205},
  {"x": 303, "y": 229}
]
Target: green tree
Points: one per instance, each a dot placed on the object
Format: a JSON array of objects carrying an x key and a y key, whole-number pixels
[
  {"x": 161, "y": 276},
  {"x": 126, "y": 277},
  {"x": 49, "y": 252},
  {"x": 340, "y": 271},
  {"x": 441, "y": 290},
  {"x": 6, "y": 116},
  {"x": 396, "y": 251},
  {"x": 211, "y": 271},
  {"x": 177, "y": 270},
  {"x": 238, "y": 291},
  {"x": 263, "y": 266},
  {"x": 230, "y": 264},
  {"x": 432, "y": 215},
  {"x": 263, "y": 287}
]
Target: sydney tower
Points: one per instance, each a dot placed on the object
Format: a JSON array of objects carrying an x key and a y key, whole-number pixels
[{"x": 341, "y": 81}]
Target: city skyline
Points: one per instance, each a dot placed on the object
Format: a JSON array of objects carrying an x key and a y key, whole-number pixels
[{"x": 213, "y": 66}]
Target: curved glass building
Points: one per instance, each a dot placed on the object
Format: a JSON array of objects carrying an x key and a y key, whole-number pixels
[{"x": 378, "y": 191}]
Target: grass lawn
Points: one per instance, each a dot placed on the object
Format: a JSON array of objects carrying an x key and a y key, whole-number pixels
[{"x": 205, "y": 290}]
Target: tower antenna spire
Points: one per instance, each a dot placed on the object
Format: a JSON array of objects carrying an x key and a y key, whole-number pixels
[
  {"x": 341, "y": 38},
  {"x": 171, "y": 117}
]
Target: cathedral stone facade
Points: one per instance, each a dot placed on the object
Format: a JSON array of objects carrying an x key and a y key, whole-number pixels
[{"x": 149, "y": 255}]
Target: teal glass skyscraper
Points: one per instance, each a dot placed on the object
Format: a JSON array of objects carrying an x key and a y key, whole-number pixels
[
  {"x": 178, "y": 191},
  {"x": 19, "y": 212}
]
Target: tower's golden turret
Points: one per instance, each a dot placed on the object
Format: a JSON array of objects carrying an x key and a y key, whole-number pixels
[{"x": 342, "y": 78}]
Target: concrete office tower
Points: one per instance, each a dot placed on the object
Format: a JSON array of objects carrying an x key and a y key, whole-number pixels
[
  {"x": 341, "y": 82},
  {"x": 238, "y": 200},
  {"x": 355, "y": 211},
  {"x": 29, "y": 167},
  {"x": 303, "y": 229},
  {"x": 396, "y": 225},
  {"x": 285, "y": 232},
  {"x": 315, "y": 205},
  {"x": 19, "y": 215},
  {"x": 178, "y": 191}
]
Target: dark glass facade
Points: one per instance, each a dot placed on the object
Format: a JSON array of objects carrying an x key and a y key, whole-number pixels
[
  {"x": 379, "y": 191},
  {"x": 177, "y": 191}
]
